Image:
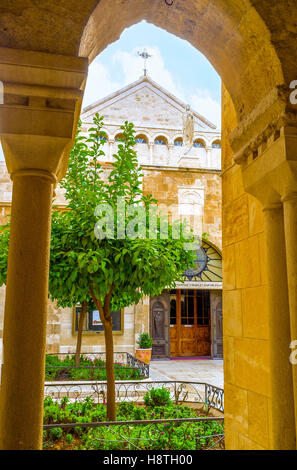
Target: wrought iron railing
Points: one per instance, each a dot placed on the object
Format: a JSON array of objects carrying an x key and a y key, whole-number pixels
[
  {"x": 120, "y": 358},
  {"x": 149, "y": 434},
  {"x": 134, "y": 391}
]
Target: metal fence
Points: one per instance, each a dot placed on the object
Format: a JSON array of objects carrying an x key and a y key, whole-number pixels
[
  {"x": 134, "y": 391},
  {"x": 175, "y": 434}
]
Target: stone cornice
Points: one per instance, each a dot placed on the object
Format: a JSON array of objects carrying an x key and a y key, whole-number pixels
[{"x": 269, "y": 116}]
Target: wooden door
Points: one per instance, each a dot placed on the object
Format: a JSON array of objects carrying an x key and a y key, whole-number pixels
[{"x": 189, "y": 323}]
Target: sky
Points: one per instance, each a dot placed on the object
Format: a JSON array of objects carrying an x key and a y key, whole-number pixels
[{"x": 174, "y": 64}]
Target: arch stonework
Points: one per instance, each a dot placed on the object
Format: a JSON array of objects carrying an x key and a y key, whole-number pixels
[{"x": 44, "y": 77}]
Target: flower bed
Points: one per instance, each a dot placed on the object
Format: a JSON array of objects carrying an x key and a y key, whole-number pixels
[
  {"x": 89, "y": 369},
  {"x": 151, "y": 435}
]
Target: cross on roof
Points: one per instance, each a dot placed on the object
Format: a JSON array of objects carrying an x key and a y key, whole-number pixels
[{"x": 144, "y": 55}]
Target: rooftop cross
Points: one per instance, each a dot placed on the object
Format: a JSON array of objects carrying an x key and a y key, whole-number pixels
[{"x": 144, "y": 55}]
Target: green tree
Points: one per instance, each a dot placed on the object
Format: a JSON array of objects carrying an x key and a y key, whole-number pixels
[{"x": 104, "y": 248}]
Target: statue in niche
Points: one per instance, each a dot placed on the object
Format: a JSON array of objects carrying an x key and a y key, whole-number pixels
[
  {"x": 158, "y": 321},
  {"x": 188, "y": 129},
  {"x": 219, "y": 320}
]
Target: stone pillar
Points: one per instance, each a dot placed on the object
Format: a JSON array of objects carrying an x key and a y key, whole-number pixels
[
  {"x": 26, "y": 311},
  {"x": 42, "y": 101},
  {"x": 282, "y": 418},
  {"x": 151, "y": 147},
  {"x": 290, "y": 213},
  {"x": 208, "y": 162},
  {"x": 111, "y": 150},
  {"x": 170, "y": 154}
]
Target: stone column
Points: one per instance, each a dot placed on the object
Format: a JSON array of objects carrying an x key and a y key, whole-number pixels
[
  {"x": 42, "y": 101},
  {"x": 170, "y": 154},
  {"x": 26, "y": 310},
  {"x": 290, "y": 213},
  {"x": 111, "y": 150},
  {"x": 151, "y": 147},
  {"x": 282, "y": 418},
  {"x": 208, "y": 162}
]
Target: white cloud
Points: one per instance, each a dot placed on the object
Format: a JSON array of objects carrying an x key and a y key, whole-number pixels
[
  {"x": 204, "y": 104},
  {"x": 99, "y": 83},
  {"x": 132, "y": 66}
]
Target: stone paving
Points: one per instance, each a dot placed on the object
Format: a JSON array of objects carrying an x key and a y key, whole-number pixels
[{"x": 208, "y": 371}]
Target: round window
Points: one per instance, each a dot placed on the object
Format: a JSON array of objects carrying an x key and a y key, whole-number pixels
[{"x": 200, "y": 262}]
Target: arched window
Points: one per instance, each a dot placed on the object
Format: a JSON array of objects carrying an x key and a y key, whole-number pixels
[
  {"x": 199, "y": 144},
  {"x": 141, "y": 139},
  {"x": 178, "y": 142},
  {"x": 208, "y": 265},
  {"x": 119, "y": 138},
  {"x": 216, "y": 144},
  {"x": 103, "y": 137},
  {"x": 160, "y": 141}
]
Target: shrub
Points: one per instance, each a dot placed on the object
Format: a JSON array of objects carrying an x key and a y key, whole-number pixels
[
  {"x": 55, "y": 433},
  {"x": 139, "y": 413},
  {"x": 157, "y": 397},
  {"x": 145, "y": 341},
  {"x": 125, "y": 409},
  {"x": 69, "y": 438}
]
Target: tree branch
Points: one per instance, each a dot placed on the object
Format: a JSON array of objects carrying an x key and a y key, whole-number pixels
[
  {"x": 107, "y": 301},
  {"x": 98, "y": 304}
]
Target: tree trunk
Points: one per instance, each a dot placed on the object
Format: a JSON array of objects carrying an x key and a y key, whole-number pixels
[
  {"x": 111, "y": 406},
  {"x": 82, "y": 316},
  {"x": 104, "y": 311}
]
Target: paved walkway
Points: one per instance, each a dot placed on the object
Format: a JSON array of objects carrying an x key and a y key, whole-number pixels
[{"x": 200, "y": 370}]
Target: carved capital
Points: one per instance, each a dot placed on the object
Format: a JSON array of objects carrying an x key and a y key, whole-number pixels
[
  {"x": 264, "y": 123},
  {"x": 42, "y": 102}
]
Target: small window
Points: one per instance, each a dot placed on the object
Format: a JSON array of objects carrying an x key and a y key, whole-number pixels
[
  {"x": 178, "y": 142},
  {"x": 160, "y": 141},
  {"x": 93, "y": 322},
  {"x": 141, "y": 139},
  {"x": 216, "y": 144},
  {"x": 199, "y": 144}
]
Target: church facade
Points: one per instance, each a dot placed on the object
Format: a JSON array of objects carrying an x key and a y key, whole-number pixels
[{"x": 180, "y": 155}]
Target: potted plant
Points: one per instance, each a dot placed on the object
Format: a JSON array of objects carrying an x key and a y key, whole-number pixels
[{"x": 144, "y": 352}]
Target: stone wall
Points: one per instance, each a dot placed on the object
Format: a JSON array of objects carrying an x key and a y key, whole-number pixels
[
  {"x": 244, "y": 306},
  {"x": 167, "y": 187}
]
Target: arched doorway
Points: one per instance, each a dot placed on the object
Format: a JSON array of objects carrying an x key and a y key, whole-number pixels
[{"x": 187, "y": 321}]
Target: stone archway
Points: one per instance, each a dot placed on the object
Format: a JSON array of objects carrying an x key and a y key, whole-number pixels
[{"x": 44, "y": 70}]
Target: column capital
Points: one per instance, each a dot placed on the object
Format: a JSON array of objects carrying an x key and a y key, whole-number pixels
[
  {"x": 272, "y": 207},
  {"x": 290, "y": 196},
  {"x": 35, "y": 172},
  {"x": 42, "y": 102}
]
